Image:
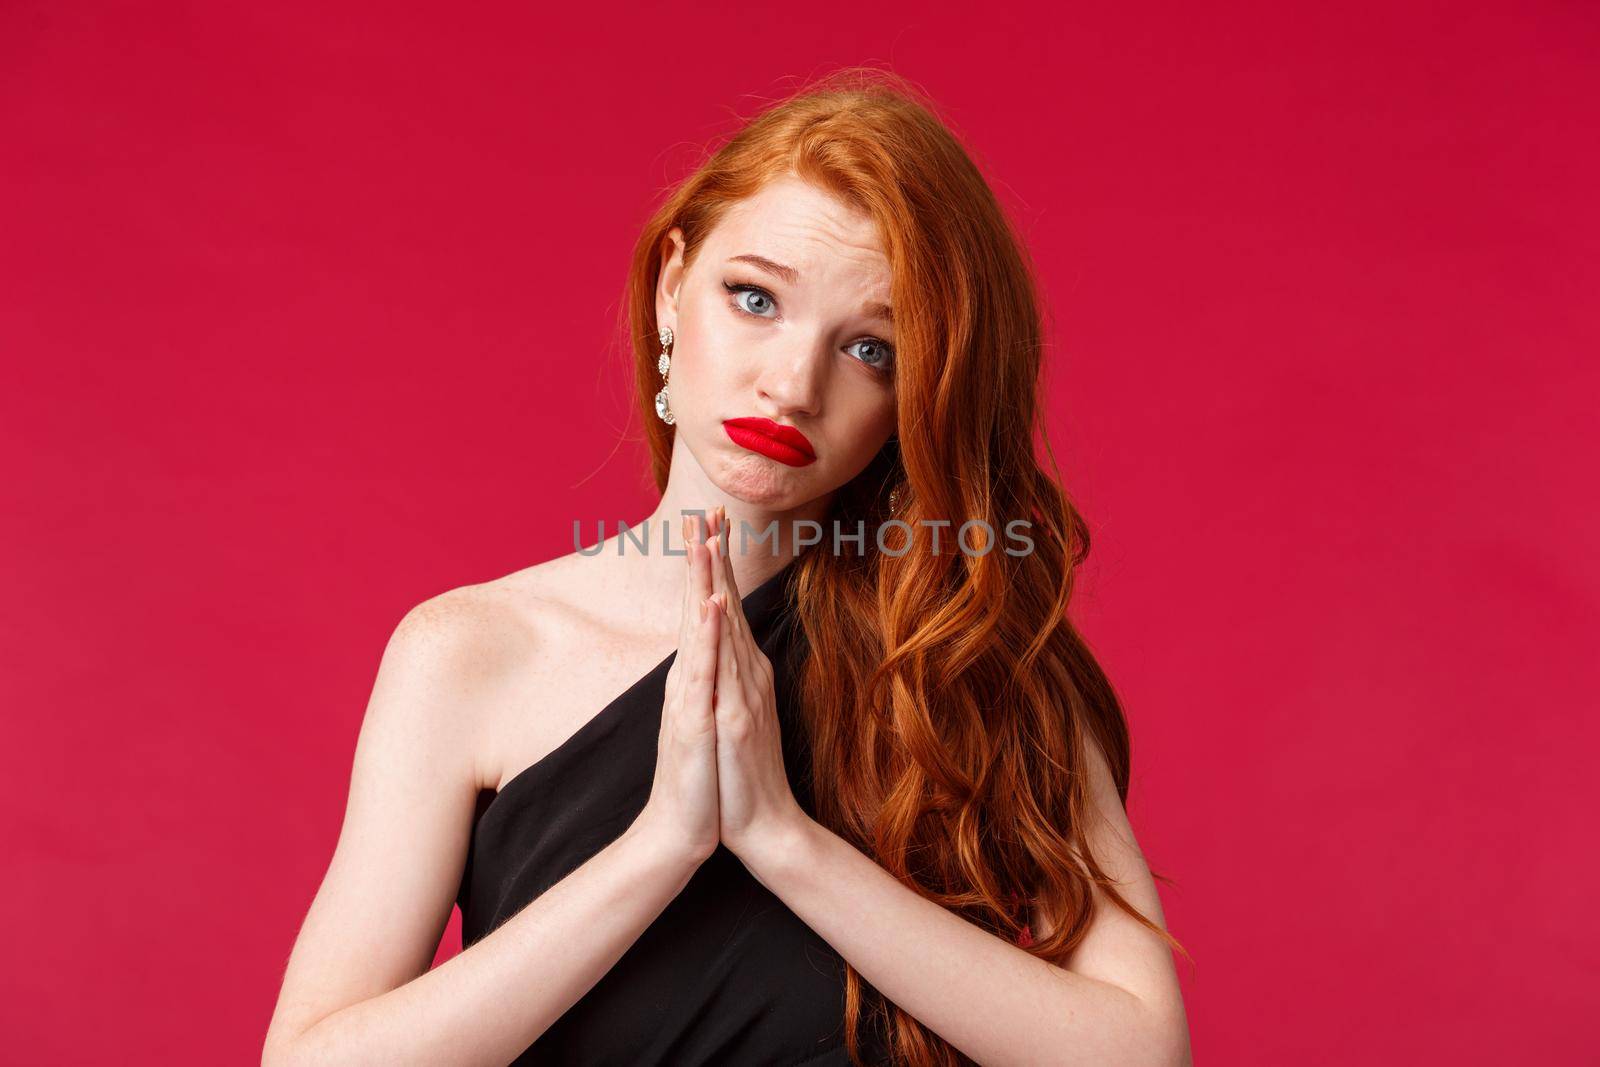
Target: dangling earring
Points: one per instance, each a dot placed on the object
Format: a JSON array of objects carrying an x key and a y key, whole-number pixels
[
  {"x": 664, "y": 364},
  {"x": 894, "y": 500}
]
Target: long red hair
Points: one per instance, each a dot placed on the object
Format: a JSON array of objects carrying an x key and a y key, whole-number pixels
[{"x": 947, "y": 695}]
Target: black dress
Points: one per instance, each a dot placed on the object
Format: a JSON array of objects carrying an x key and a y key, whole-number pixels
[{"x": 726, "y": 974}]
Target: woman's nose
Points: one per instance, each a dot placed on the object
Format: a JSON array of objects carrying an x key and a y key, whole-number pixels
[{"x": 795, "y": 377}]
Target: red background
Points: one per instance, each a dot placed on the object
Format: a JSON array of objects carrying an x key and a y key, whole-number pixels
[{"x": 306, "y": 314}]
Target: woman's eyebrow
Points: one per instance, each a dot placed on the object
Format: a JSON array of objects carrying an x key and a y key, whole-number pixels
[
  {"x": 788, "y": 274},
  {"x": 792, "y": 276}
]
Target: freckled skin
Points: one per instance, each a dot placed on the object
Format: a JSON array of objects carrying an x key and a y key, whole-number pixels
[{"x": 796, "y": 361}]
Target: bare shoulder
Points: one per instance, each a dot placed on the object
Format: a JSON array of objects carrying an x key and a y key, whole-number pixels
[
  {"x": 492, "y": 658},
  {"x": 477, "y": 633},
  {"x": 454, "y": 660},
  {"x": 464, "y": 634}
]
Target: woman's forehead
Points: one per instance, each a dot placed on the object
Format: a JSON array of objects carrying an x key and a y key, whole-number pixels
[
  {"x": 807, "y": 232},
  {"x": 794, "y": 201}
]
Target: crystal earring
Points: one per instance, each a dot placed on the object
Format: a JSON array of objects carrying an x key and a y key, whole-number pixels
[
  {"x": 894, "y": 500},
  {"x": 664, "y": 364}
]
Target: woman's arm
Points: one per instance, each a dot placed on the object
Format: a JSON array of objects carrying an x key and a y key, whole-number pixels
[
  {"x": 1117, "y": 1001},
  {"x": 358, "y": 988}
]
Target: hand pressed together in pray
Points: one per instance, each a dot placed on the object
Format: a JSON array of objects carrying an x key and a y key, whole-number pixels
[{"x": 720, "y": 774}]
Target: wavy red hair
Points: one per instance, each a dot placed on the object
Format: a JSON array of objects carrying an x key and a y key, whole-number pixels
[{"x": 948, "y": 696}]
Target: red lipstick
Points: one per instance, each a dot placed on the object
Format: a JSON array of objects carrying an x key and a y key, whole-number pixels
[{"x": 773, "y": 440}]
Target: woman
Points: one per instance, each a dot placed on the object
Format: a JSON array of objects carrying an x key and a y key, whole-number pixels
[{"x": 868, "y": 811}]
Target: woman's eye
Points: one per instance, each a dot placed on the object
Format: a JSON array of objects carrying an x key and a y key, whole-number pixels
[
  {"x": 751, "y": 299},
  {"x": 876, "y": 354},
  {"x": 754, "y": 300}
]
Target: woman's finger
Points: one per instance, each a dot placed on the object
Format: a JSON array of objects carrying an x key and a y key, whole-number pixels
[
  {"x": 735, "y": 598},
  {"x": 713, "y": 547},
  {"x": 688, "y": 612},
  {"x": 703, "y": 583},
  {"x": 745, "y": 650},
  {"x": 739, "y": 634},
  {"x": 688, "y": 616},
  {"x": 738, "y": 639},
  {"x": 728, "y": 672},
  {"x": 699, "y": 698},
  {"x": 735, "y": 639},
  {"x": 699, "y": 565}
]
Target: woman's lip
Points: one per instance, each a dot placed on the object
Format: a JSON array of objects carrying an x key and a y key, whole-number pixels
[{"x": 782, "y": 443}]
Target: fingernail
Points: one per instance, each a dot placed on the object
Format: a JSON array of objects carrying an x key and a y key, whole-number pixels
[{"x": 702, "y": 611}]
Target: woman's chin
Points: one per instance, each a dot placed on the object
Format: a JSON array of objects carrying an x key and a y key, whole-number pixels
[{"x": 762, "y": 483}]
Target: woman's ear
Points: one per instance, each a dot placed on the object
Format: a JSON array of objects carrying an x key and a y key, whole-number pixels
[{"x": 671, "y": 276}]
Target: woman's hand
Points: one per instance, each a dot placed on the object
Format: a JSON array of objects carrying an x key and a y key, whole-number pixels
[
  {"x": 683, "y": 804},
  {"x": 756, "y": 805}
]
